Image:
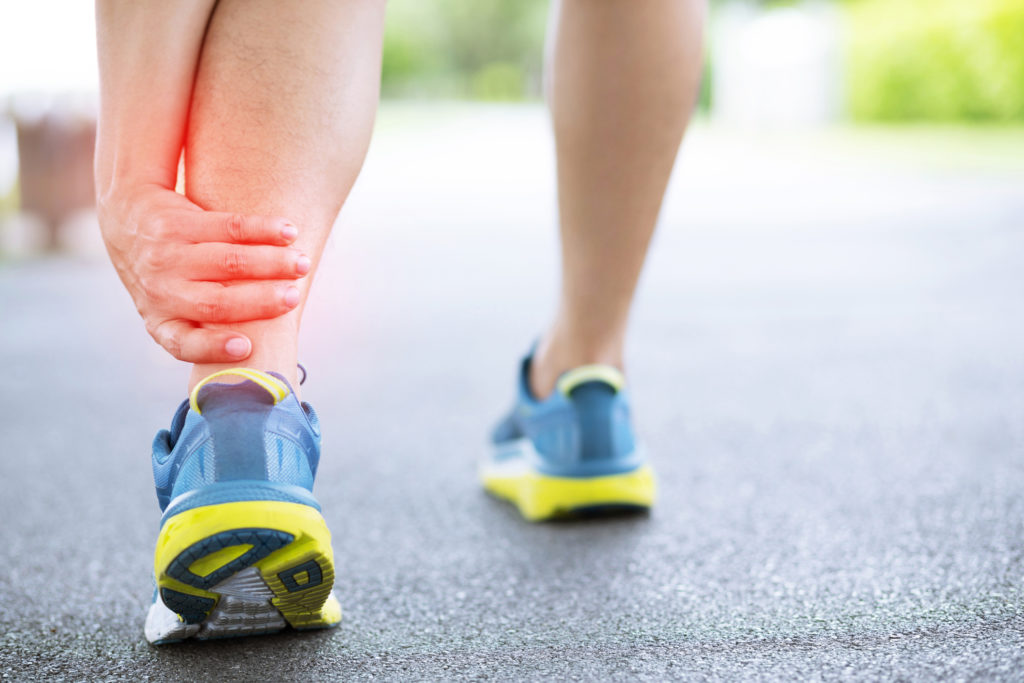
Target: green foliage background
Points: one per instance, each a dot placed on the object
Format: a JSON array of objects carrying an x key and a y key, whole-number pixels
[
  {"x": 907, "y": 60},
  {"x": 941, "y": 60},
  {"x": 480, "y": 49}
]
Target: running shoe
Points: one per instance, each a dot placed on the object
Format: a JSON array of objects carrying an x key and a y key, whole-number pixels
[
  {"x": 243, "y": 548},
  {"x": 571, "y": 454}
]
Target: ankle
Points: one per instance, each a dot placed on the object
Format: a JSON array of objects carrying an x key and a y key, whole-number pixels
[
  {"x": 274, "y": 349},
  {"x": 287, "y": 368},
  {"x": 556, "y": 355},
  {"x": 201, "y": 372}
]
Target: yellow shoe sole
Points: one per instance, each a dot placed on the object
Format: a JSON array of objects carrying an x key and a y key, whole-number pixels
[
  {"x": 244, "y": 568},
  {"x": 541, "y": 497}
]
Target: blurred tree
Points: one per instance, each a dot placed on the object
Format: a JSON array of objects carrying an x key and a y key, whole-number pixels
[
  {"x": 936, "y": 60},
  {"x": 487, "y": 49},
  {"x": 906, "y": 59}
]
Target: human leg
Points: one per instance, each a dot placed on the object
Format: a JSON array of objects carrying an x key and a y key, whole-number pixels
[
  {"x": 281, "y": 113},
  {"x": 281, "y": 116},
  {"x": 622, "y": 82},
  {"x": 622, "y": 79}
]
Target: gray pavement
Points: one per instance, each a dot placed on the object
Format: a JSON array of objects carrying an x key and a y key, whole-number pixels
[{"x": 828, "y": 367}]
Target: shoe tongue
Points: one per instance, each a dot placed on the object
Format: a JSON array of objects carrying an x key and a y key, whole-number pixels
[
  {"x": 257, "y": 383},
  {"x": 606, "y": 374}
]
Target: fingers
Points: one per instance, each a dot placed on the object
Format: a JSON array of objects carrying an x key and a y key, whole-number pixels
[
  {"x": 213, "y": 226},
  {"x": 185, "y": 267},
  {"x": 220, "y": 262},
  {"x": 183, "y": 340},
  {"x": 212, "y": 302}
]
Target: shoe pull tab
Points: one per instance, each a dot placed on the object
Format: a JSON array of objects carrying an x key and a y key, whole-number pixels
[
  {"x": 277, "y": 389},
  {"x": 590, "y": 373}
]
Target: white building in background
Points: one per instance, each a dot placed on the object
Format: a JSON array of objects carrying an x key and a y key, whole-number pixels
[{"x": 776, "y": 68}]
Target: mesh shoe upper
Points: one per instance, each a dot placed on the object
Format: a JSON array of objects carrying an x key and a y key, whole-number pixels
[
  {"x": 582, "y": 429},
  {"x": 264, "y": 446}
]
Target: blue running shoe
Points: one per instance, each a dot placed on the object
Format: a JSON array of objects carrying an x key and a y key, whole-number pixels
[
  {"x": 243, "y": 548},
  {"x": 571, "y": 454}
]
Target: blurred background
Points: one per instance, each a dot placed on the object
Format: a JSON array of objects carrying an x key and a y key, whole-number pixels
[
  {"x": 844, "y": 65},
  {"x": 826, "y": 362}
]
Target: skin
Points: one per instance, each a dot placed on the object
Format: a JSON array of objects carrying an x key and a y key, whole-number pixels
[
  {"x": 265, "y": 141},
  {"x": 175, "y": 259},
  {"x": 217, "y": 264},
  {"x": 273, "y": 109},
  {"x": 622, "y": 78}
]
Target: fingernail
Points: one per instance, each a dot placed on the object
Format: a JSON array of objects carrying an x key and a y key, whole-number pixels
[
  {"x": 237, "y": 347},
  {"x": 289, "y": 231},
  {"x": 291, "y": 297},
  {"x": 302, "y": 265}
]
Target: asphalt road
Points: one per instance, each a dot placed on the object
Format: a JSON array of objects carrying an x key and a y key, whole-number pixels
[{"x": 828, "y": 367}]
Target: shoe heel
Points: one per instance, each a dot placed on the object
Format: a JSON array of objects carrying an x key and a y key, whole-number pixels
[{"x": 262, "y": 552}]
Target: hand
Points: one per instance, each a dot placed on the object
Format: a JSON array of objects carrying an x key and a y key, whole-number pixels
[{"x": 184, "y": 266}]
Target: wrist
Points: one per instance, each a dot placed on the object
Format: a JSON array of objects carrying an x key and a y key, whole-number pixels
[
  {"x": 115, "y": 188},
  {"x": 126, "y": 169}
]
